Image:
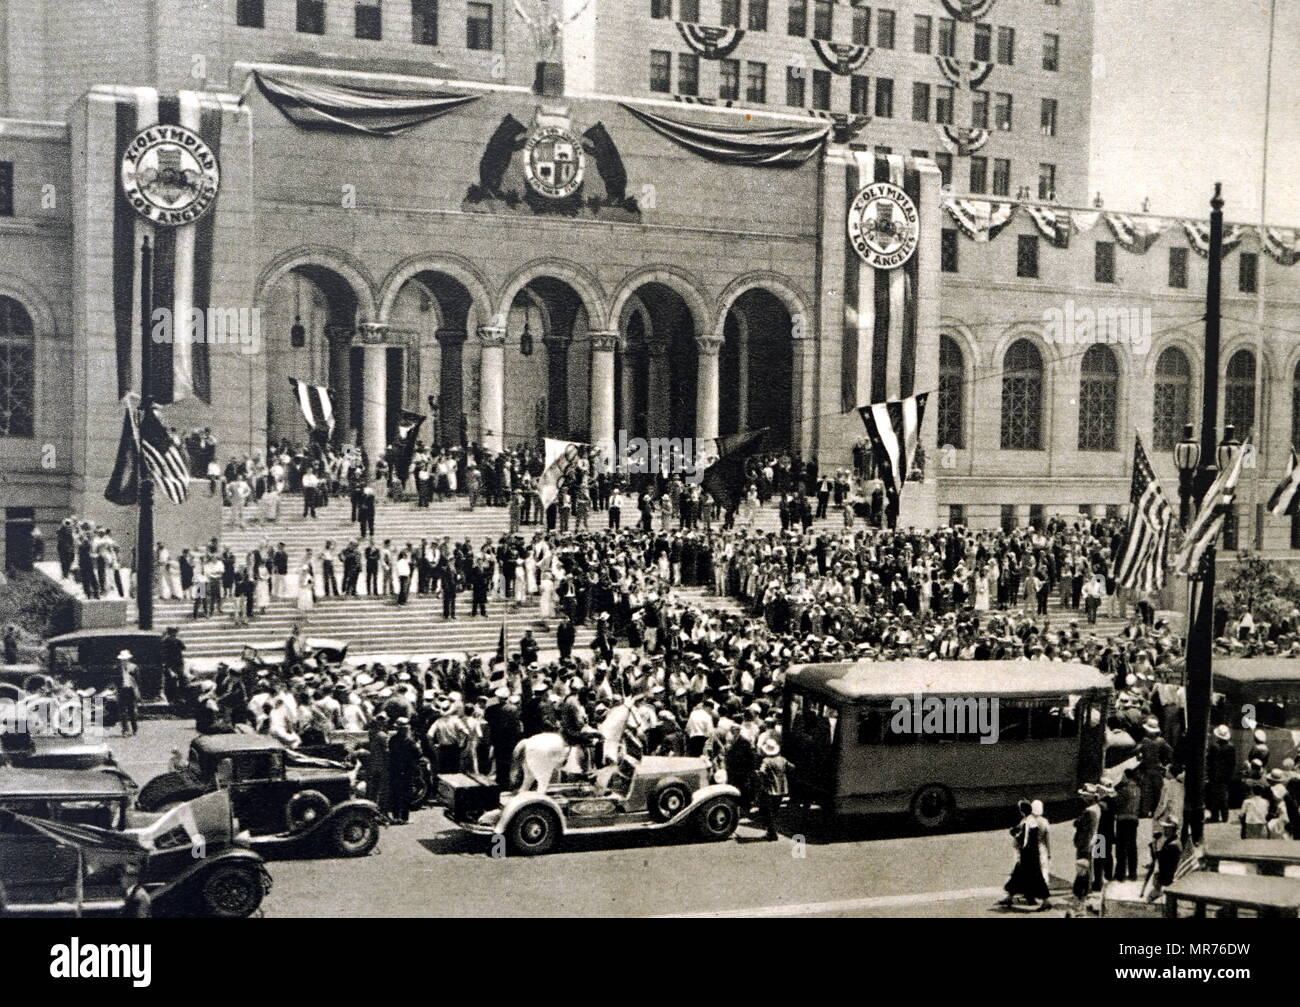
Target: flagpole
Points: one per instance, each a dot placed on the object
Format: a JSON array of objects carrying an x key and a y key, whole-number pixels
[
  {"x": 144, "y": 548},
  {"x": 1261, "y": 447}
]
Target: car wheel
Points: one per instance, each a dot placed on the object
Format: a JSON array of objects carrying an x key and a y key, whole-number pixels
[
  {"x": 304, "y": 809},
  {"x": 354, "y": 833},
  {"x": 718, "y": 819},
  {"x": 419, "y": 788},
  {"x": 231, "y": 892},
  {"x": 533, "y": 831},
  {"x": 933, "y": 806},
  {"x": 668, "y": 799}
]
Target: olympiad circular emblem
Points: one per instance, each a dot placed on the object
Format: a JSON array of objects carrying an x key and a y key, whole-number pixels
[
  {"x": 554, "y": 162},
  {"x": 883, "y": 225},
  {"x": 170, "y": 175}
]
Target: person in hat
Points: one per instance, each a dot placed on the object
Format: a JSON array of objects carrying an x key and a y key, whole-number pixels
[
  {"x": 1220, "y": 768},
  {"x": 504, "y": 732},
  {"x": 126, "y": 684},
  {"x": 1166, "y": 853},
  {"x": 1128, "y": 802},
  {"x": 1086, "y": 827},
  {"x": 773, "y": 783},
  {"x": 1029, "y": 878},
  {"x": 403, "y": 767},
  {"x": 1154, "y": 754}
]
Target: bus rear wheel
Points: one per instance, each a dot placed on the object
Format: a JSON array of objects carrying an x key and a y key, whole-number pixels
[{"x": 933, "y": 806}]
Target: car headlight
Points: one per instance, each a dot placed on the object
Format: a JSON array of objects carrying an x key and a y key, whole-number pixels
[{"x": 244, "y": 839}]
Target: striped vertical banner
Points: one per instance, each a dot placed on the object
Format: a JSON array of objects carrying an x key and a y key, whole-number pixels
[{"x": 878, "y": 355}]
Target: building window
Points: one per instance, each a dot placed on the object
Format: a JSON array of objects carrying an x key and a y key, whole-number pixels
[
  {"x": 794, "y": 86},
  {"x": 885, "y": 29},
  {"x": 1022, "y": 397},
  {"x": 661, "y": 71},
  {"x": 979, "y": 109},
  {"x": 1098, "y": 399},
  {"x": 1173, "y": 396},
  {"x": 6, "y": 188},
  {"x": 1295, "y": 530},
  {"x": 1008, "y": 519},
  {"x": 823, "y": 19},
  {"x": 1103, "y": 266},
  {"x": 250, "y": 13},
  {"x": 1231, "y": 523},
  {"x": 1037, "y": 512},
  {"x": 758, "y": 15},
  {"x": 882, "y": 149},
  {"x": 478, "y": 26},
  {"x": 756, "y": 83},
  {"x": 920, "y": 102},
  {"x": 983, "y": 43},
  {"x": 1239, "y": 394},
  {"x": 1051, "y": 51},
  {"x": 690, "y": 10},
  {"x": 979, "y": 174},
  {"x": 797, "y": 22},
  {"x": 1006, "y": 46},
  {"x": 944, "y": 160},
  {"x": 859, "y": 92},
  {"x": 729, "y": 14},
  {"x": 1027, "y": 256},
  {"x": 688, "y": 73},
  {"x": 1001, "y": 176},
  {"x": 424, "y": 22},
  {"x": 956, "y": 515},
  {"x": 661, "y": 9},
  {"x": 1047, "y": 117},
  {"x": 1248, "y": 273},
  {"x": 729, "y": 79},
  {"x": 947, "y": 37},
  {"x": 311, "y": 17},
  {"x": 17, "y": 370},
  {"x": 948, "y": 250},
  {"x": 821, "y": 90},
  {"x": 369, "y": 22},
  {"x": 1002, "y": 111},
  {"x": 920, "y": 153},
  {"x": 952, "y": 387},
  {"x": 922, "y": 26},
  {"x": 861, "y": 28},
  {"x": 944, "y": 96},
  {"x": 1047, "y": 181},
  {"x": 884, "y": 98},
  {"x": 1178, "y": 268}
]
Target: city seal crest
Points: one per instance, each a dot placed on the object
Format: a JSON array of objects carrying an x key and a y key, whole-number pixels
[
  {"x": 554, "y": 162},
  {"x": 170, "y": 175},
  {"x": 883, "y": 224}
]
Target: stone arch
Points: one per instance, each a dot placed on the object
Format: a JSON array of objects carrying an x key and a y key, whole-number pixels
[
  {"x": 460, "y": 269},
  {"x": 676, "y": 280},
  {"x": 795, "y": 301},
  {"x": 324, "y": 257},
  {"x": 583, "y": 282},
  {"x": 33, "y": 302}
]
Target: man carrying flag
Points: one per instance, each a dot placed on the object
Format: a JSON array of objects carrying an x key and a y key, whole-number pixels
[
  {"x": 1285, "y": 498},
  {"x": 1204, "y": 531},
  {"x": 1140, "y": 563},
  {"x": 561, "y": 460},
  {"x": 725, "y": 479},
  {"x": 894, "y": 429},
  {"x": 408, "y": 432}
]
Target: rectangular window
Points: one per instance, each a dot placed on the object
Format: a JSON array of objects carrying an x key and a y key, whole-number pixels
[
  {"x": 424, "y": 22},
  {"x": 881, "y": 149},
  {"x": 1036, "y": 515},
  {"x": 1001, "y": 176},
  {"x": 729, "y": 14},
  {"x": 979, "y": 109},
  {"x": 944, "y": 160},
  {"x": 921, "y": 29},
  {"x": 1231, "y": 526},
  {"x": 823, "y": 19},
  {"x": 1295, "y": 530},
  {"x": 1051, "y": 51},
  {"x": 956, "y": 515},
  {"x": 1006, "y": 46},
  {"x": 478, "y": 26},
  {"x": 1027, "y": 256},
  {"x": 688, "y": 73},
  {"x": 944, "y": 98},
  {"x": 821, "y": 90},
  {"x": 250, "y": 14},
  {"x": 758, "y": 15},
  {"x": 729, "y": 79},
  {"x": 690, "y": 11},
  {"x": 1247, "y": 272},
  {"x": 983, "y": 42},
  {"x": 920, "y": 153},
  {"x": 1178, "y": 268},
  {"x": 369, "y": 22},
  {"x": 1103, "y": 270},
  {"x": 920, "y": 102},
  {"x": 1002, "y": 111},
  {"x": 797, "y": 20},
  {"x": 979, "y": 174},
  {"x": 859, "y": 94},
  {"x": 1047, "y": 181},
  {"x": 947, "y": 37},
  {"x": 884, "y": 98},
  {"x": 661, "y": 71},
  {"x": 885, "y": 29},
  {"x": 861, "y": 25},
  {"x": 794, "y": 85},
  {"x": 6, "y": 188},
  {"x": 756, "y": 83},
  {"x": 1008, "y": 517},
  {"x": 948, "y": 249},
  {"x": 1047, "y": 117},
  {"x": 311, "y": 17},
  {"x": 661, "y": 9}
]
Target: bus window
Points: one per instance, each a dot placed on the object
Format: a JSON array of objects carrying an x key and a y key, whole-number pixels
[
  {"x": 1013, "y": 721},
  {"x": 873, "y": 729},
  {"x": 1045, "y": 722}
]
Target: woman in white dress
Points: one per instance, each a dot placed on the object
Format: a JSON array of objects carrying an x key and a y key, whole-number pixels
[
  {"x": 262, "y": 589},
  {"x": 306, "y": 585},
  {"x": 547, "y": 601},
  {"x": 530, "y": 572},
  {"x": 981, "y": 592}
]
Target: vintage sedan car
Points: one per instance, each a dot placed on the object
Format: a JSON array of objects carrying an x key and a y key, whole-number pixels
[
  {"x": 70, "y": 847},
  {"x": 654, "y": 792},
  {"x": 282, "y": 798}
]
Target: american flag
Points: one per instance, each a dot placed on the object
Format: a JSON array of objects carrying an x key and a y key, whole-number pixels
[
  {"x": 1285, "y": 499},
  {"x": 1141, "y": 563},
  {"x": 894, "y": 429},
  {"x": 164, "y": 455},
  {"x": 1204, "y": 531}
]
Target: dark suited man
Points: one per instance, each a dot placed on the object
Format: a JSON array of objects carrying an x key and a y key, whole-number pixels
[
  {"x": 66, "y": 542},
  {"x": 372, "y": 569},
  {"x": 565, "y": 634},
  {"x": 505, "y": 730},
  {"x": 366, "y": 512},
  {"x": 478, "y": 581},
  {"x": 445, "y": 576},
  {"x": 403, "y": 765},
  {"x": 86, "y": 564}
]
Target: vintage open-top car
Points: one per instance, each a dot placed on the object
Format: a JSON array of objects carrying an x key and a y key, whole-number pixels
[
  {"x": 654, "y": 792},
  {"x": 70, "y": 847},
  {"x": 282, "y": 798}
]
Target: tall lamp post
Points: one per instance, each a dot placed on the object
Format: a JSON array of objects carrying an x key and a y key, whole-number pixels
[{"x": 1187, "y": 456}]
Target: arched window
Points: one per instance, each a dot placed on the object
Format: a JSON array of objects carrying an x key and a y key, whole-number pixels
[
  {"x": 952, "y": 393},
  {"x": 1098, "y": 399},
  {"x": 1239, "y": 394},
  {"x": 1173, "y": 398},
  {"x": 17, "y": 370},
  {"x": 1022, "y": 398}
]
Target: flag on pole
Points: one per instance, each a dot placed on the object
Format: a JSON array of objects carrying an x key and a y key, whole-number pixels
[
  {"x": 316, "y": 405},
  {"x": 1285, "y": 498},
  {"x": 724, "y": 480},
  {"x": 165, "y": 456},
  {"x": 1204, "y": 531},
  {"x": 894, "y": 429},
  {"x": 1141, "y": 562},
  {"x": 123, "y": 487},
  {"x": 561, "y": 456},
  {"x": 408, "y": 432}
]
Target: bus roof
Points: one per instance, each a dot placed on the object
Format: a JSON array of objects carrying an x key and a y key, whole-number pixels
[
  {"x": 1257, "y": 669},
  {"x": 863, "y": 680}
]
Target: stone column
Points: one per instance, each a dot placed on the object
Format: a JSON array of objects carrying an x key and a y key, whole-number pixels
[
  {"x": 603, "y": 345},
  {"x": 631, "y": 361},
  {"x": 742, "y": 372},
  {"x": 657, "y": 395},
  {"x": 492, "y": 386},
  {"x": 706, "y": 392},
  {"x": 374, "y": 389}
]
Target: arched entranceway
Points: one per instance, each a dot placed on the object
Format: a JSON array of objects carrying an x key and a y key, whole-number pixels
[
  {"x": 547, "y": 363},
  {"x": 757, "y": 371},
  {"x": 659, "y": 370}
]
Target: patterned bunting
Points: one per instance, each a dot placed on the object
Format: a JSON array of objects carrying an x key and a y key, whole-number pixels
[
  {"x": 1135, "y": 234},
  {"x": 980, "y": 219},
  {"x": 840, "y": 57},
  {"x": 963, "y": 140},
  {"x": 968, "y": 10},
  {"x": 958, "y": 72},
  {"x": 710, "y": 41},
  {"x": 758, "y": 146},
  {"x": 1053, "y": 224},
  {"x": 1282, "y": 246},
  {"x": 1198, "y": 237}
]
